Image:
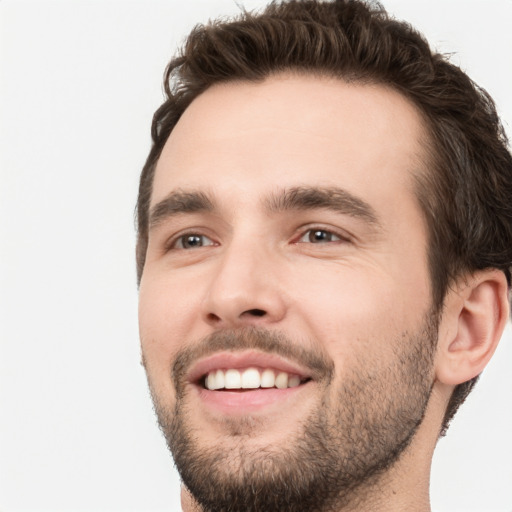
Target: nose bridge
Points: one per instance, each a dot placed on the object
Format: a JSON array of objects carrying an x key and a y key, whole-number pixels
[{"x": 245, "y": 287}]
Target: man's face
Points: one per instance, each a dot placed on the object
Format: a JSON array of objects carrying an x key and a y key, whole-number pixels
[{"x": 287, "y": 249}]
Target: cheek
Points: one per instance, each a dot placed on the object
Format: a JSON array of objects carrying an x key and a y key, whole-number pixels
[
  {"x": 166, "y": 321},
  {"x": 358, "y": 312}
]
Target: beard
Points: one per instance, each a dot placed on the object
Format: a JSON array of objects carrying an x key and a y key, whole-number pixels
[{"x": 332, "y": 457}]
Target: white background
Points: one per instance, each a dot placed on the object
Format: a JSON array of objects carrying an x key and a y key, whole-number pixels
[{"x": 79, "y": 83}]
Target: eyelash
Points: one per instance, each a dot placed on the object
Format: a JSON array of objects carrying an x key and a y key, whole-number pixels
[
  {"x": 312, "y": 231},
  {"x": 181, "y": 239}
]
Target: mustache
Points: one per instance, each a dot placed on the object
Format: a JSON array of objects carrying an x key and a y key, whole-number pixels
[{"x": 272, "y": 342}]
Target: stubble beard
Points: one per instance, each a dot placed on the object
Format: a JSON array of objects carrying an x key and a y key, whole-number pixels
[{"x": 333, "y": 456}]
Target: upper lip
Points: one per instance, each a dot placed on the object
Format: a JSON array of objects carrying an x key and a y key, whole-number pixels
[{"x": 244, "y": 359}]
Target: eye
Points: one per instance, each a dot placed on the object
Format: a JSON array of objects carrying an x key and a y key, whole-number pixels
[
  {"x": 192, "y": 241},
  {"x": 318, "y": 236}
]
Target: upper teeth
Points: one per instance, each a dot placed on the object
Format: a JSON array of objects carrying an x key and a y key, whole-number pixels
[{"x": 251, "y": 378}]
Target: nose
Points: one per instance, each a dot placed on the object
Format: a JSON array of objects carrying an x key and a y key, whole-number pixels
[{"x": 244, "y": 290}]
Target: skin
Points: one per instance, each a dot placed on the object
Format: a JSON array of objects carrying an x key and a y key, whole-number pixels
[{"x": 351, "y": 298}]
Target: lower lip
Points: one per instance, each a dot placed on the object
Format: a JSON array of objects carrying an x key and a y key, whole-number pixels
[{"x": 244, "y": 402}]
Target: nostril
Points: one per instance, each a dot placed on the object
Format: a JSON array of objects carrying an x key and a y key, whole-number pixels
[
  {"x": 212, "y": 317},
  {"x": 256, "y": 312}
]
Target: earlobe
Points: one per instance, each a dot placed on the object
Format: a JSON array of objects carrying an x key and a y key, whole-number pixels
[{"x": 473, "y": 321}]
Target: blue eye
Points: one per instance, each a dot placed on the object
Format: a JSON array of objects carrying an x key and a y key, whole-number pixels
[
  {"x": 319, "y": 236},
  {"x": 192, "y": 241}
]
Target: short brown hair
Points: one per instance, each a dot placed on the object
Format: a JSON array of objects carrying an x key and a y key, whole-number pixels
[{"x": 466, "y": 194}]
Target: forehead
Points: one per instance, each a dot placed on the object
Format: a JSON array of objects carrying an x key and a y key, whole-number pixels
[{"x": 243, "y": 139}]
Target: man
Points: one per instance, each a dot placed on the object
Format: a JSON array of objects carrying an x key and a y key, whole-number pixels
[{"x": 324, "y": 255}]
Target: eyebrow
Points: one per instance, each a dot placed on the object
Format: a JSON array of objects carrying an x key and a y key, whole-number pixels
[
  {"x": 295, "y": 198},
  {"x": 316, "y": 198},
  {"x": 178, "y": 202}
]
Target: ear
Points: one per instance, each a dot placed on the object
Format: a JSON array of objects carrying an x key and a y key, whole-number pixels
[{"x": 474, "y": 316}]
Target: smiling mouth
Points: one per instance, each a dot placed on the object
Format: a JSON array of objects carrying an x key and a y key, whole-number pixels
[
  {"x": 238, "y": 383},
  {"x": 251, "y": 378}
]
